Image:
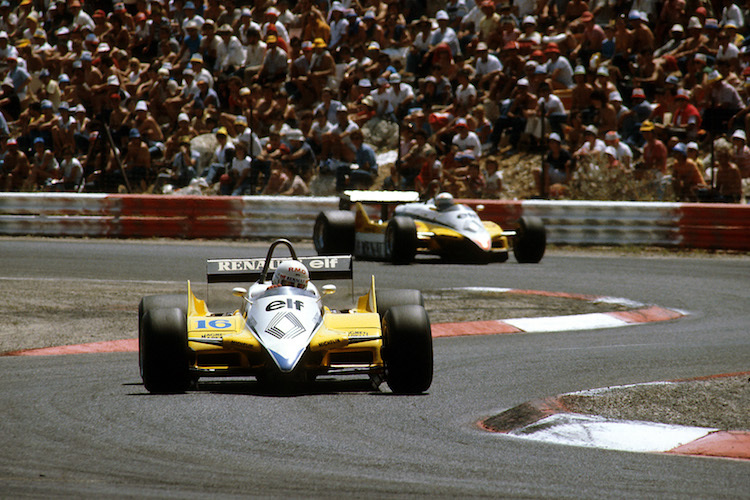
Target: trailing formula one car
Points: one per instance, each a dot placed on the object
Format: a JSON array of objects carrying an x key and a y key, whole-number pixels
[
  {"x": 282, "y": 332},
  {"x": 437, "y": 226}
]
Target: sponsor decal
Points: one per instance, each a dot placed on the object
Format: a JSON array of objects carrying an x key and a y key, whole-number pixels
[
  {"x": 214, "y": 324},
  {"x": 288, "y": 303},
  {"x": 244, "y": 265}
]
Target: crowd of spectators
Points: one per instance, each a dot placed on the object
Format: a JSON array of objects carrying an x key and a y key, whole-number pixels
[{"x": 106, "y": 96}]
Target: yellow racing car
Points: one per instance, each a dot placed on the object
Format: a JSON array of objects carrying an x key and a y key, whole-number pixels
[
  {"x": 438, "y": 226},
  {"x": 282, "y": 331}
]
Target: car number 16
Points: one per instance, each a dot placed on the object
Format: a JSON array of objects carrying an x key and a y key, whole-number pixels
[{"x": 216, "y": 324}]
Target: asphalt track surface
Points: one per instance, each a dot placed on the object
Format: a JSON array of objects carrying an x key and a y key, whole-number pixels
[{"x": 83, "y": 425}]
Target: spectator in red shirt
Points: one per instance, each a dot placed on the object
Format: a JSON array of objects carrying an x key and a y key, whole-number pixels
[{"x": 686, "y": 119}]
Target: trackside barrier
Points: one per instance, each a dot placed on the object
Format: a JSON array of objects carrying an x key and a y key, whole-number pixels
[
  {"x": 708, "y": 226},
  {"x": 148, "y": 216}
]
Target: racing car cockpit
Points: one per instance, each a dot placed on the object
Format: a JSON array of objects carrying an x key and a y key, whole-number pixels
[{"x": 444, "y": 201}]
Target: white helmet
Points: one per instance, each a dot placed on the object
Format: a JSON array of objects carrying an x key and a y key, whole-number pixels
[
  {"x": 443, "y": 201},
  {"x": 291, "y": 273}
]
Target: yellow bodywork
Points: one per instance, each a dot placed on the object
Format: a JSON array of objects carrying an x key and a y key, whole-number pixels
[{"x": 222, "y": 343}]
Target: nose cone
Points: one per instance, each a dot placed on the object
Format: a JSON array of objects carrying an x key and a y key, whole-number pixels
[
  {"x": 483, "y": 241},
  {"x": 286, "y": 364}
]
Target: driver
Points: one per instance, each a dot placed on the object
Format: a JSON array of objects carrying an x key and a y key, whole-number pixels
[
  {"x": 443, "y": 201},
  {"x": 291, "y": 273}
]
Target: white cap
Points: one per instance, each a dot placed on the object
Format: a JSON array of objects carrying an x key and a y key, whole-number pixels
[
  {"x": 739, "y": 134},
  {"x": 141, "y": 106},
  {"x": 441, "y": 15}
]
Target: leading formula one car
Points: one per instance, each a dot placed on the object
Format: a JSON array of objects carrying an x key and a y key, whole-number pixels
[
  {"x": 282, "y": 332},
  {"x": 437, "y": 226}
]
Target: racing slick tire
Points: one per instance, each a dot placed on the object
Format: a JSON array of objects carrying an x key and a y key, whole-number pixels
[
  {"x": 385, "y": 299},
  {"x": 333, "y": 232},
  {"x": 530, "y": 241},
  {"x": 401, "y": 240},
  {"x": 407, "y": 349},
  {"x": 162, "y": 344}
]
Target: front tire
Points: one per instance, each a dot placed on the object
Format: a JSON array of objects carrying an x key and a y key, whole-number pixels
[
  {"x": 162, "y": 345},
  {"x": 407, "y": 346},
  {"x": 334, "y": 232},
  {"x": 531, "y": 241},
  {"x": 401, "y": 240}
]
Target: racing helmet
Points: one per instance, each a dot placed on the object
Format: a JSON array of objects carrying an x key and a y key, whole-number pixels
[
  {"x": 291, "y": 273},
  {"x": 443, "y": 201}
]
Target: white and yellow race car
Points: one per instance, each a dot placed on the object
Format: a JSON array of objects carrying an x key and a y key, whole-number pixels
[
  {"x": 285, "y": 334},
  {"x": 438, "y": 226}
]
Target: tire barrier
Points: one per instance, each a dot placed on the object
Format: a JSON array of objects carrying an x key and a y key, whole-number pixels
[{"x": 687, "y": 225}]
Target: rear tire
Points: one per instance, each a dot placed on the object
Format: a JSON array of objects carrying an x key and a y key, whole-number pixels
[
  {"x": 162, "y": 344},
  {"x": 407, "y": 349},
  {"x": 401, "y": 240},
  {"x": 531, "y": 240},
  {"x": 385, "y": 299},
  {"x": 334, "y": 232}
]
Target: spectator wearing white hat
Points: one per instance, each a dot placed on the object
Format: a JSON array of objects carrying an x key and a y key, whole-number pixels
[
  {"x": 300, "y": 158},
  {"x": 731, "y": 13},
  {"x": 676, "y": 37},
  {"x": 486, "y": 66},
  {"x": 466, "y": 139},
  {"x": 184, "y": 129},
  {"x": 558, "y": 166},
  {"x": 741, "y": 152},
  {"x": 530, "y": 33},
  {"x": 592, "y": 146},
  {"x": 19, "y": 76},
  {"x": 513, "y": 117},
  {"x": 339, "y": 25},
  {"x": 623, "y": 153},
  {"x": 444, "y": 34},
  {"x": 150, "y": 131},
  {"x": 403, "y": 95},
  {"x": 272, "y": 25},
  {"x": 230, "y": 54},
  {"x": 610, "y": 155}
]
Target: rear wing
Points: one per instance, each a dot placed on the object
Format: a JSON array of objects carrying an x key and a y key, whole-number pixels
[
  {"x": 385, "y": 199},
  {"x": 328, "y": 267},
  {"x": 380, "y": 196}
]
